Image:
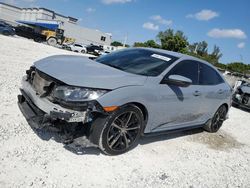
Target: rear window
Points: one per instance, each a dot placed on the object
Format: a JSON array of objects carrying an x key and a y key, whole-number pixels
[
  {"x": 138, "y": 61},
  {"x": 208, "y": 76}
]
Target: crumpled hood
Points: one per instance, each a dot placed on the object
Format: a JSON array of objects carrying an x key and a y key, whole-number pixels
[
  {"x": 83, "y": 72},
  {"x": 245, "y": 89}
]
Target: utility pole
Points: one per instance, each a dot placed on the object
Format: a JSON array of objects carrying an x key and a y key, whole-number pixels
[
  {"x": 195, "y": 50},
  {"x": 125, "y": 40}
]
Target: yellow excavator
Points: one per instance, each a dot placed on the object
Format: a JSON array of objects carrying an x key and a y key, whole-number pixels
[{"x": 56, "y": 37}]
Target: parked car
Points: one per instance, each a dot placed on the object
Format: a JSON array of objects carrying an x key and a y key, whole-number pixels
[
  {"x": 125, "y": 94},
  {"x": 94, "y": 49},
  {"x": 6, "y": 29},
  {"x": 75, "y": 47},
  {"x": 241, "y": 96}
]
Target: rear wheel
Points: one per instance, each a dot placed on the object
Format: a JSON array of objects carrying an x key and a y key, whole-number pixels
[
  {"x": 119, "y": 132},
  {"x": 217, "y": 120},
  {"x": 52, "y": 41},
  {"x": 37, "y": 39},
  {"x": 83, "y": 51}
]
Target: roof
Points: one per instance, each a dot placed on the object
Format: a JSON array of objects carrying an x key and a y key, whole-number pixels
[
  {"x": 69, "y": 17},
  {"x": 176, "y": 54},
  {"x": 10, "y": 5},
  {"x": 51, "y": 26}
]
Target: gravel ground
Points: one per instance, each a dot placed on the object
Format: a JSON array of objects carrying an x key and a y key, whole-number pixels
[{"x": 36, "y": 159}]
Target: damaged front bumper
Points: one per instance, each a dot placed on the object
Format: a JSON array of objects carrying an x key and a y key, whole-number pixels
[
  {"x": 41, "y": 112},
  {"x": 238, "y": 103}
]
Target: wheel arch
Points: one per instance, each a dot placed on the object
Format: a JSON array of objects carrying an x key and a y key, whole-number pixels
[
  {"x": 142, "y": 108},
  {"x": 226, "y": 105},
  {"x": 144, "y": 112}
]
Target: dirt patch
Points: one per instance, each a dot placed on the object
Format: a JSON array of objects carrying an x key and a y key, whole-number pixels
[{"x": 217, "y": 141}]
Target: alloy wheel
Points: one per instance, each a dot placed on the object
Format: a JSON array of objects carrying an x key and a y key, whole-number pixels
[
  {"x": 123, "y": 131},
  {"x": 218, "y": 118}
]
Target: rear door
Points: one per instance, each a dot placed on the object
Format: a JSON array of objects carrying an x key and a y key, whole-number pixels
[{"x": 213, "y": 89}]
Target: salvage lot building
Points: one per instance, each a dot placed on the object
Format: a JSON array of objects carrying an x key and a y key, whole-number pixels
[{"x": 12, "y": 14}]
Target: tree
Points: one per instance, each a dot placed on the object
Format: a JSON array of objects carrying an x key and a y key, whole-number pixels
[
  {"x": 173, "y": 41},
  {"x": 116, "y": 43},
  {"x": 200, "y": 50},
  {"x": 149, "y": 44},
  {"x": 239, "y": 67},
  {"x": 216, "y": 54},
  {"x": 139, "y": 44}
]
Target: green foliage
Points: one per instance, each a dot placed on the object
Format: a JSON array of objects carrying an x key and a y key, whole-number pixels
[
  {"x": 149, "y": 44},
  {"x": 239, "y": 67},
  {"x": 173, "y": 41},
  {"x": 200, "y": 50},
  {"x": 178, "y": 42},
  {"x": 116, "y": 43}
]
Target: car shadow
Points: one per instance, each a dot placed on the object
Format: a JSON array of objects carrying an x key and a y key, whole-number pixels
[
  {"x": 82, "y": 146},
  {"x": 168, "y": 136},
  {"x": 177, "y": 91},
  {"x": 79, "y": 146}
]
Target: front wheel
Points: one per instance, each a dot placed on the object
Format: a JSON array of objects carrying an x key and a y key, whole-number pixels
[
  {"x": 52, "y": 41},
  {"x": 217, "y": 120},
  {"x": 119, "y": 132}
]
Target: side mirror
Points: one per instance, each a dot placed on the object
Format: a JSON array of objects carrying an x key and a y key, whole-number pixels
[{"x": 177, "y": 80}]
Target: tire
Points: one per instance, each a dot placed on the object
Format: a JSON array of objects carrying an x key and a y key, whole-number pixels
[
  {"x": 119, "y": 132},
  {"x": 83, "y": 51},
  {"x": 6, "y": 33},
  {"x": 217, "y": 120},
  {"x": 38, "y": 40},
  {"x": 52, "y": 41}
]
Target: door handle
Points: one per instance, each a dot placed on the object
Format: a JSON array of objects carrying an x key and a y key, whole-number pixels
[
  {"x": 197, "y": 93},
  {"x": 220, "y": 91}
]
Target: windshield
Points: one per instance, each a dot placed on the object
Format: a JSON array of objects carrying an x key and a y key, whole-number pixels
[{"x": 138, "y": 61}]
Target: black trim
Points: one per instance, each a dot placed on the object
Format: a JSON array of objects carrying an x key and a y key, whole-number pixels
[
  {"x": 10, "y": 5},
  {"x": 173, "y": 130}
]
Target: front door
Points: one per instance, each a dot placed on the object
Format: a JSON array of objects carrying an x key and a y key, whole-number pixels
[{"x": 179, "y": 107}]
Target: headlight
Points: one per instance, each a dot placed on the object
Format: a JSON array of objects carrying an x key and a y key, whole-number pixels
[{"x": 74, "y": 94}]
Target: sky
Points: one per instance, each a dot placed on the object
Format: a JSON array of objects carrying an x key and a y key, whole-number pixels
[{"x": 225, "y": 23}]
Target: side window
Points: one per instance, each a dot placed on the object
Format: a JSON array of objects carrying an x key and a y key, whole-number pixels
[
  {"x": 103, "y": 38},
  {"x": 188, "y": 69},
  {"x": 208, "y": 76},
  {"x": 77, "y": 45}
]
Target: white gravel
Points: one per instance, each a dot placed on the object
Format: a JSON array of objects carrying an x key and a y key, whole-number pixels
[{"x": 29, "y": 159}]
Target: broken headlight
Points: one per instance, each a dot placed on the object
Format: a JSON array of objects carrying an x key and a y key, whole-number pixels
[{"x": 76, "y": 94}]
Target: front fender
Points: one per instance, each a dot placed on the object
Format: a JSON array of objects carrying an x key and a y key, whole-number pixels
[{"x": 129, "y": 94}]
